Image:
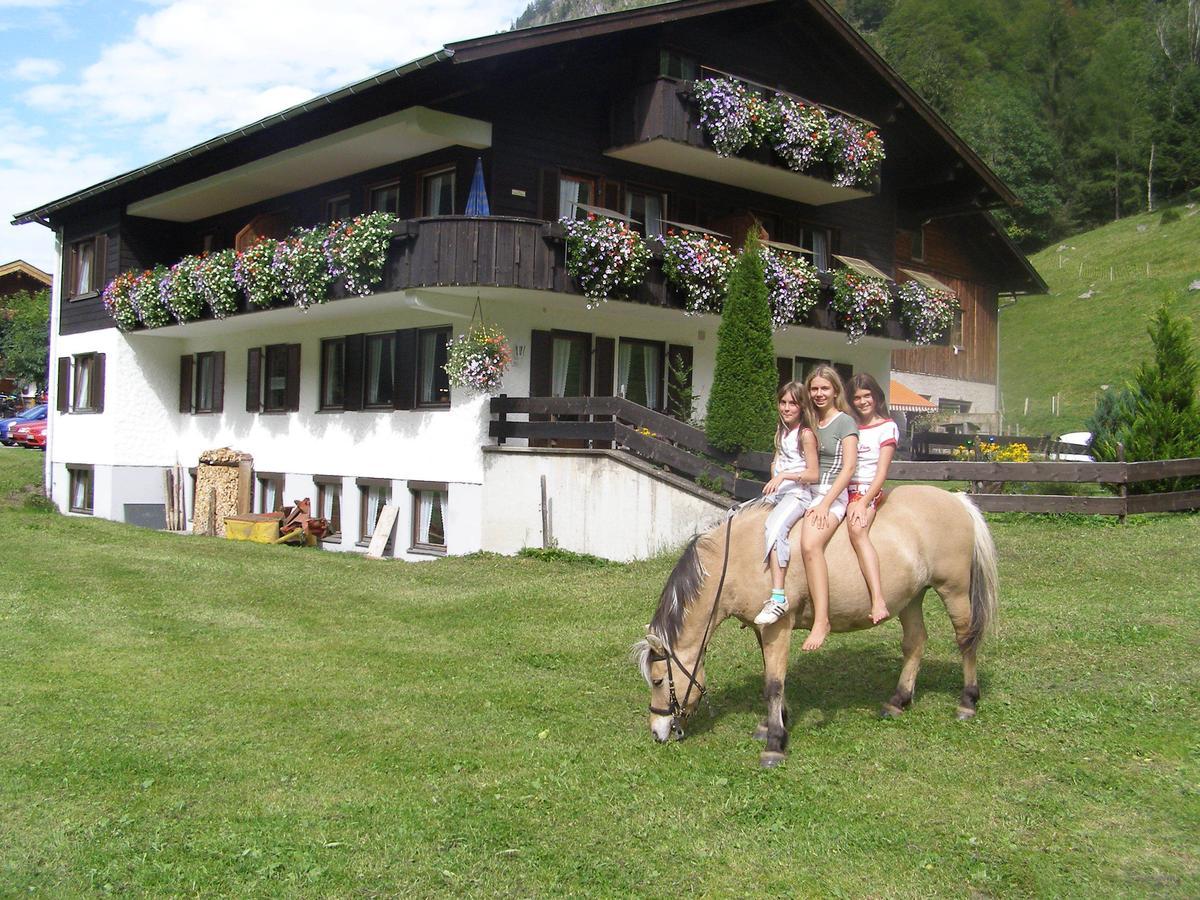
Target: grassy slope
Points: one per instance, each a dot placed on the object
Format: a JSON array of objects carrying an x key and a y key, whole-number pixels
[
  {"x": 1059, "y": 343},
  {"x": 185, "y": 716}
]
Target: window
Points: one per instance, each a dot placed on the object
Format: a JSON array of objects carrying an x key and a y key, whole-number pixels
[
  {"x": 329, "y": 504},
  {"x": 385, "y": 198},
  {"x": 818, "y": 241},
  {"x": 85, "y": 266},
  {"x": 640, "y": 372},
  {"x": 569, "y": 362},
  {"x": 333, "y": 374},
  {"x": 337, "y": 208},
  {"x": 433, "y": 382},
  {"x": 270, "y": 492},
  {"x": 81, "y": 383},
  {"x": 202, "y": 383},
  {"x": 380, "y": 371},
  {"x": 273, "y": 378},
  {"x": 429, "y": 517},
  {"x": 954, "y": 406},
  {"x": 805, "y": 364},
  {"x": 275, "y": 383},
  {"x": 956, "y": 330},
  {"x": 647, "y": 207},
  {"x": 916, "y": 239},
  {"x": 437, "y": 193},
  {"x": 80, "y": 489},
  {"x": 573, "y": 190},
  {"x": 373, "y": 495},
  {"x": 845, "y": 370},
  {"x": 673, "y": 64}
]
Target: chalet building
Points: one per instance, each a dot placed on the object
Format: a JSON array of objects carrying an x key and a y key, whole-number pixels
[
  {"x": 347, "y": 403},
  {"x": 15, "y": 277}
]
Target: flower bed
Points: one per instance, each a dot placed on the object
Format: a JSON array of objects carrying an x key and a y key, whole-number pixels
[
  {"x": 862, "y": 304},
  {"x": 698, "y": 265},
  {"x": 855, "y": 151},
  {"x": 732, "y": 115},
  {"x": 118, "y": 300},
  {"x": 927, "y": 314},
  {"x": 478, "y": 359},
  {"x": 793, "y": 286},
  {"x": 605, "y": 256},
  {"x": 147, "y": 293},
  {"x": 181, "y": 293},
  {"x": 802, "y": 135},
  {"x": 356, "y": 250},
  {"x": 217, "y": 284},
  {"x": 302, "y": 268}
]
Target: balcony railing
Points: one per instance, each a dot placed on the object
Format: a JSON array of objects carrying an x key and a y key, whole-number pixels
[{"x": 658, "y": 125}]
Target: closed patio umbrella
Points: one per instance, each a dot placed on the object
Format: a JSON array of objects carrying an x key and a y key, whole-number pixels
[{"x": 477, "y": 201}]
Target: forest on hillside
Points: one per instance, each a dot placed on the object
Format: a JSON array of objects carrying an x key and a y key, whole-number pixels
[{"x": 1088, "y": 109}]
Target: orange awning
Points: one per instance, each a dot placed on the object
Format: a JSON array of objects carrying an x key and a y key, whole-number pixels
[{"x": 903, "y": 398}]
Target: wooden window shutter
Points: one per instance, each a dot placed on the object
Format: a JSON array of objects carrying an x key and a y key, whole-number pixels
[
  {"x": 541, "y": 350},
  {"x": 404, "y": 379},
  {"x": 612, "y": 196},
  {"x": 187, "y": 364},
  {"x": 783, "y": 370},
  {"x": 605, "y": 366},
  {"x": 679, "y": 356},
  {"x": 548, "y": 205},
  {"x": 254, "y": 379},
  {"x": 64, "y": 384},
  {"x": 352, "y": 386},
  {"x": 96, "y": 400},
  {"x": 100, "y": 266},
  {"x": 292, "y": 399},
  {"x": 218, "y": 391}
]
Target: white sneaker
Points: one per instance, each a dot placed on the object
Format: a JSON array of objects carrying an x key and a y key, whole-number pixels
[{"x": 771, "y": 613}]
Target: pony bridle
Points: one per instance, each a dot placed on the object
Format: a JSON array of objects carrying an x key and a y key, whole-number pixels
[{"x": 678, "y": 711}]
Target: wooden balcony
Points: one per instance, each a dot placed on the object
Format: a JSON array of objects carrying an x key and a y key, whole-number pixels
[{"x": 658, "y": 125}]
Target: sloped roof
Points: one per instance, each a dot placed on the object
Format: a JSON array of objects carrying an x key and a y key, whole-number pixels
[{"x": 20, "y": 267}]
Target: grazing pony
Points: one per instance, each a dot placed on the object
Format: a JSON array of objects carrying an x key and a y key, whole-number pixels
[{"x": 926, "y": 538}]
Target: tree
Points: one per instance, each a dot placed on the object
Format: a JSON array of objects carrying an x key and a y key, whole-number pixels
[
  {"x": 25, "y": 346},
  {"x": 741, "y": 405}
]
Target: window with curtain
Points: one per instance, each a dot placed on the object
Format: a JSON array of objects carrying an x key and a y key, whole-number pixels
[
  {"x": 205, "y": 371},
  {"x": 640, "y": 372},
  {"x": 647, "y": 207},
  {"x": 333, "y": 373},
  {"x": 385, "y": 198},
  {"x": 429, "y": 518},
  {"x": 433, "y": 383},
  {"x": 380, "y": 370},
  {"x": 85, "y": 371},
  {"x": 270, "y": 492},
  {"x": 437, "y": 193},
  {"x": 84, "y": 266},
  {"x": 80, "y": 489},
  {"x": 275, "y": 379},
  {"x": 568, "y": 367},
  {"x": 373, "y": 497},
  {"x": 817, "y": 240},
  {"x": 329, "y": 505},
  {"x": 573, "y": 190}
]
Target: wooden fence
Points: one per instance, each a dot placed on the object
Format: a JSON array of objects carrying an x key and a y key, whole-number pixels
[
  {"x": 937, "y": 445},
  {"x": 615, "y": 422}
]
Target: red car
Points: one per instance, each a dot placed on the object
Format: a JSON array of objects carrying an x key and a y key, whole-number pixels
[{"x": 32, "y": 435}]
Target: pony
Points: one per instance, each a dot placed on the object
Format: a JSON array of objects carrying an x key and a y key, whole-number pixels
[{"x": 926, "y": 538}]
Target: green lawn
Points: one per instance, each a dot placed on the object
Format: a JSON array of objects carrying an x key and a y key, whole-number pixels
[
  {"x": 186, "y": 716},
  {"x": 1061, "y": 344}
]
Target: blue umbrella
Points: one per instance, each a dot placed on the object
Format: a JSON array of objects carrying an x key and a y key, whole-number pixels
[{"x": 477, "y": 201}]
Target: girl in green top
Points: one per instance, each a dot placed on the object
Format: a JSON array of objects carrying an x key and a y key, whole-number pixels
[{"x": 837, "y": 446}]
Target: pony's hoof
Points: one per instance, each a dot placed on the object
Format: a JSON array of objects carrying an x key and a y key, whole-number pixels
[
  {"x": 760, "y": 733},
  {"x": 769, "y": 759},
  {"x": 965, "y": 714},
  {"x": 890, "y": 711}
]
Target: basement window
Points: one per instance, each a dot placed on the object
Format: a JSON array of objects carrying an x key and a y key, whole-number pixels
[
  {"x": 80, "y": 490},
  {"x": 429, "y": 517}
]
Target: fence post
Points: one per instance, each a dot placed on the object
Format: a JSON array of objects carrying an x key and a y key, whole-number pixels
[
  {"x": 1124, "y": 486},
  {"x": 503, "y": 421}
]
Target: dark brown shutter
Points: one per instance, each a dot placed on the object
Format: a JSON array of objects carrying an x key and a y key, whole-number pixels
[
  {"x": 783, "y": 366},
  {"x": 100, "y": 269},
  {"x": 218, "y": 391},
  {"x": 64, "y": 384},
  {"x": 541, "y": 350},
  {"x": 352, "y": 387},
  {"x": 404, "y": 359},
  {"x": 97, "y": 386},
  {"x": 612, "y": 196},
  {"x": 605, "y": 356},
  {"x": 187, "y": 364},
  {"x": 254, "y": 379},
  {"x": 548, "y": 203},
  {"x": 292, "y": 401},
  {"x": 679, "y": 357}
]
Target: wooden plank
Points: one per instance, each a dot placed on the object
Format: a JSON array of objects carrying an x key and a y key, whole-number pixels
[
  {"x": 383, "y": 531},
  {"x": 586, "y": 431},
  {"x": 1044, "y": 503},
  {"x": 1073, "y": 472},
  {"x": 1155, "y": 470},
  {"x": 1176, "y": 501},
  {"x": 673, "y": 457}
]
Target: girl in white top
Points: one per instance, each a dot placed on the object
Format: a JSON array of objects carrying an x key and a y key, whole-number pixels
[
  {"x": 877, "y": 441},
  {"x": 794, "y": 469}
]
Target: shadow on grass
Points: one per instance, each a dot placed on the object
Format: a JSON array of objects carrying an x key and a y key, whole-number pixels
[{"x": 830, "y": 681}]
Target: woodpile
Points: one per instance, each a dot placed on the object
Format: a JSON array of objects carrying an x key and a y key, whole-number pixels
[{"x": 224, "y": 488}]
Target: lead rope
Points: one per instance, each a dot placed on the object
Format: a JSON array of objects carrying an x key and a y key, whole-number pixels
[{"x": 711, "y": 617}]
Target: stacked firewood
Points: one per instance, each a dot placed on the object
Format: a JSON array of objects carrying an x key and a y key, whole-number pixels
[{"x": 299, "y": 523}]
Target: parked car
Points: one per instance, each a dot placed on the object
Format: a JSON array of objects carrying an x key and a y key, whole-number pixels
[
  {"x": 31, "y": 434},
  {"x": 1083, "y": 439},
  {"x": 34, "y": 414}
]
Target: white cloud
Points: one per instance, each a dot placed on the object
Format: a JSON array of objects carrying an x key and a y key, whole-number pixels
[{"x": 34, "y": 68}]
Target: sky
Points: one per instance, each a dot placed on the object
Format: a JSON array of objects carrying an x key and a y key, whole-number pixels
[{"x": 94, "y": 88}]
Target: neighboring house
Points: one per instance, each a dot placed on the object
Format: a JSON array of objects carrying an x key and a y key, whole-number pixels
[
  {"x": 15, "y": 277},
  {"x": 961, "y": 379},
  {"x": 347, "y": 403}
]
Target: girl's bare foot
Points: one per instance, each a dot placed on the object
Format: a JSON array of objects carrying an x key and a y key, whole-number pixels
[
  {"x": 816, "y": 637},
  {"x": 879, "y": 612}
]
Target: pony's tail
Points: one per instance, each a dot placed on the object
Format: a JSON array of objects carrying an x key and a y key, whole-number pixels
[{"x": 985, "y": 580}]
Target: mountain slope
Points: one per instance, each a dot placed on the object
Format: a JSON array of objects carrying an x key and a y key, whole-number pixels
[{"x": 1062, "y": 343}]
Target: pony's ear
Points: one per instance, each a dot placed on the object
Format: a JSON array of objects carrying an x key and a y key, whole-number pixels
[{"x": 655, "y": 642}]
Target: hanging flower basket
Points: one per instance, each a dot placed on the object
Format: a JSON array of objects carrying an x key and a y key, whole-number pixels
[
  {"x": 356, "y": 250},
  {"x": 118, "y": 300},
  {"x": 801, "y": 135},
  {"x": 214, "y": 277},
  {"x": 733, "y": 115},
  {"x": 181, "y": 293},
  {"x": 300, "y": 263},
  {"x": 478, "y": 359},
  {"x": 698, "y": 265},
  {"x": 256, "y": 274},
  {"x": 862, "y": 304},
  {"x": 148, "y": 298},
  {"x": 605, "y": 256},
  {"x": 855, "y": 151},
  {"x": 926, "y": 313},
  {"x": 792, "y": 284}
]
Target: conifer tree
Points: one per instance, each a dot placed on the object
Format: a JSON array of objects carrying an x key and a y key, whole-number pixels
[{"x": 741, "y": 405}]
